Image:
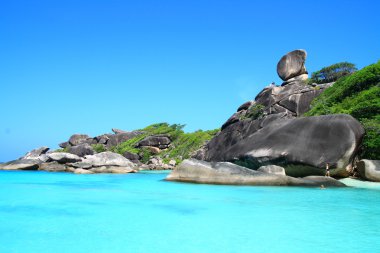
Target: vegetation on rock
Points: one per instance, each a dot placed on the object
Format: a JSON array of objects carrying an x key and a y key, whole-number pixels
[
  {"x": 183, "y": 144},
  {"x": 333, "y": 72},
  {"x": 358, "y": 95}
]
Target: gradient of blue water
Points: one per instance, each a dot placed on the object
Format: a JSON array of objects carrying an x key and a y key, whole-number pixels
[{"x": 61, "y": 212}]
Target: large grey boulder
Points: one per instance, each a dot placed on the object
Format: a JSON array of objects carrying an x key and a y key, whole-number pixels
[
  {"x": 108, "y": 159},
  {"x": 301, "y": 145},
  {"x": 272, "y": 169},
  {"x": 22, "y": 164},
  {"x": 36, "y": 153},
  {"x": 116, "y": 139},
  {"x": 63, "y": 157},
  {"x": 160, "y": 141},
  {"x": 81, "y": 150},
  {"x": 77, "y": 139},
  {"x": 131, "y": 156},
  {"x": 195, "y": 171},
  {"x": 292, "y": 64},
  {"x": 113, "y": 169},
  {"x": 102, "y": 139},
  {"x": 369, "y": 169},
  {"x": 52, "y": 167}
]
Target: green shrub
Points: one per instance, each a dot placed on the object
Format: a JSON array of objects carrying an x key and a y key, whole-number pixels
[
  {"x": 255, "y": 111},
  {"x": 359, "y": 96},
  {"x": 99, "y": 148}
]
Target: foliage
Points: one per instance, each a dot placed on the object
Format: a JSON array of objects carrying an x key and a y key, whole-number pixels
[
  {"x": 187, "y": 143},
  {"x": 359, "y": 96},
  {"x": 183, "y": 144},
  {"x": 99, "y": 148},
  {"x": 333, "y": 72},
  {"x": 255, "y": 111},
  {"x": 65, "y": 150}
]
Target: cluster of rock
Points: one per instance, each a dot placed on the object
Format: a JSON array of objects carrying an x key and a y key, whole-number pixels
[
  {"x": 42, "y": 159},
  {"x": 79, "y": 155},
  {"x": 270, "y": 130}
]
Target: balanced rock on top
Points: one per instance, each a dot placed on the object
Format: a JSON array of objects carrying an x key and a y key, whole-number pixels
[{"x": 292, "y": 65}]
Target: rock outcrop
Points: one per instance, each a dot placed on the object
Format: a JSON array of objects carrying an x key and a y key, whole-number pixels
[
  {"x": 22, "y": 164},
  {"x": 195, "y": 171},
  {"x": 301, "y": 145},
  {"x": 369, "y": 170},
  {"x": 272, "y": 169},
  {"x": 292, "y": 64},
  {"x": 159, "y": 141},
  {"x": 81, "y": 150},
  {"x": 63, "y": 157},
  {"x": 270, "y": 130},
  {"x": 37, "y": 154}
]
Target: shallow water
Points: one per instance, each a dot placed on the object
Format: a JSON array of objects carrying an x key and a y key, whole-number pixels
[{"x": 61, "y": 212}]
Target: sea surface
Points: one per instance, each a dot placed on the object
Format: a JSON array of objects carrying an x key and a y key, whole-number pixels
[{"x": 62, "y": 212}]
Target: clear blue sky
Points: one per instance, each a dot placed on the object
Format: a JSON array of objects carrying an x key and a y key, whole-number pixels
[{"x": 88, "y": 66}]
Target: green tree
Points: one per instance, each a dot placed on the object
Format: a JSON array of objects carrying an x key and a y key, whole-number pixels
[{"x": 333, "y": 72}]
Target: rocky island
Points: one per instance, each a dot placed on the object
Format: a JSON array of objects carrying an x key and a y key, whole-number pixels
[{"x": 270, "y": 140}]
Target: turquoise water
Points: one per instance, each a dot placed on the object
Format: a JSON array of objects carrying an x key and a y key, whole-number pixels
[{"x": 61, "y": 212}]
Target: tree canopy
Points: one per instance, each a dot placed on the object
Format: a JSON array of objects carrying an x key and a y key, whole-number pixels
[{"x": 333, "y": 72}]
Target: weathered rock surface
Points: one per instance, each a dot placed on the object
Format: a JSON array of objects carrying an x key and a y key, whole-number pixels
[
  {"x": 369, "y": 169},
  {"x": 292, "y": 64},
  {"x": 113, "y": 169},
  {"x": 160, "y": 141},
  {"x": 82, "y": 171},
  {"x": 102, "y": 139},
  {"x": 77, "y": 139},
  {"x": 118, "y": 131},
  {"x": 131, "y": 156},
  {"x": 81, "y": 150},
  {"x": 116, "y": 139},
  {"x": 63, "y": 157},
  {"x": 22, "y": 164},
  {"x": 64, "y": 144},
  {"x": 82, "y": 165},
  {"x": 156, "y": 163},
  {"x": 196, "y": 171},
  {"x": 36, "y": 153},
  {"x": 272, "y": 169},
  {"x": 52, "y": 167},
  {"x": 301, "y": 145},
  {"x": 108, "y": 159}
]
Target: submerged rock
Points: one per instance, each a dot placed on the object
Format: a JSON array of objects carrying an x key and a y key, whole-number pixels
[
  {"x": 195, "y": 171},
  {"x": 369, "y": 169}
]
